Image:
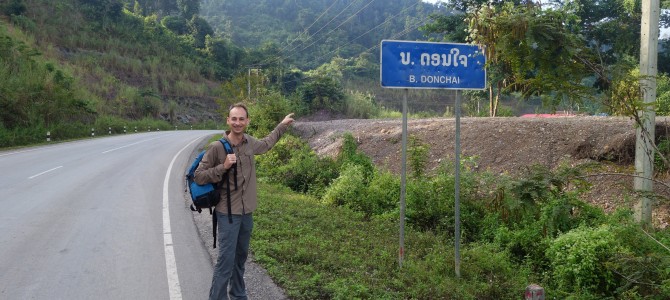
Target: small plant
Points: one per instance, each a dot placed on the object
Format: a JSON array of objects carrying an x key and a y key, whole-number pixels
[
  {"x": 418, "y": 157},
  {"x": 350, "y": 155}
]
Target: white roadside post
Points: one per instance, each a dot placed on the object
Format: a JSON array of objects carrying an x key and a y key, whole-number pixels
[{"x": 645, "y": 133}]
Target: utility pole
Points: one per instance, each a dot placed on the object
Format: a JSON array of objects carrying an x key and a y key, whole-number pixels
[{"x": 644, "y": 153}]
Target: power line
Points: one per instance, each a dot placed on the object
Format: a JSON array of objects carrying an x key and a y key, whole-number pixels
[
  {"x": 378, "y": 25},
  {"x": 324, "y": 26},
  {"x": 407, "y": 30},
  {"x": 338, "y": 26},
  {"x": 310, "y": 26}
]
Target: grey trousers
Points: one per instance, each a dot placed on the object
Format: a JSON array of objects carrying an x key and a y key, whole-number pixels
[{"x": 233, "y": 243}]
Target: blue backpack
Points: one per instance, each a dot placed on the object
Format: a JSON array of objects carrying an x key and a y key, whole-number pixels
[{"x": 208, "y": 195}]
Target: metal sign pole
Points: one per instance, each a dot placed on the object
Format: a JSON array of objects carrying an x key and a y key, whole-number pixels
[
  {"x": 403, "y": 178},
  {"x": 457, "y": 186}
]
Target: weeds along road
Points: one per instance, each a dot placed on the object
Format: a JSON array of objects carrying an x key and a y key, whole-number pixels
[{"x": 103, "y": 218}]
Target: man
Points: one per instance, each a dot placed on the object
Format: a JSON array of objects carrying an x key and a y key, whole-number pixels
[{"x": 234, "y": 235}]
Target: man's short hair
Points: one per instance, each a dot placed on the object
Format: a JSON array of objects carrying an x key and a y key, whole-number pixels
[{"x": 241, "y": 105}]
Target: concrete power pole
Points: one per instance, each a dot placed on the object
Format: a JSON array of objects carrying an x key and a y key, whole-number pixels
[{"x": 644, "y": 153}]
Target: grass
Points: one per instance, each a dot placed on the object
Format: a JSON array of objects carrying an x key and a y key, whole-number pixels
[{"x": 316, "y": 251}]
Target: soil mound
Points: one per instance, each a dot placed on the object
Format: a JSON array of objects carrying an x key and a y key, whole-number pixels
[{"x": 505, "y": 145}]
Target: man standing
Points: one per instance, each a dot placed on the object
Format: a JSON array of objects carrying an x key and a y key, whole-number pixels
[{"x": 235, "y": 233}]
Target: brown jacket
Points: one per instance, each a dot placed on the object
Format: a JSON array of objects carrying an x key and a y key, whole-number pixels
[{"x": 244, "y": 199}]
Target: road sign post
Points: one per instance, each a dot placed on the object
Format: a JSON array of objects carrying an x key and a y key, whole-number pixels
[{"x": 423, "y": 65}]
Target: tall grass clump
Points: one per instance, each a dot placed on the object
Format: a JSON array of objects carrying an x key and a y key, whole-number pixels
[{"x": 360, "y": 106}]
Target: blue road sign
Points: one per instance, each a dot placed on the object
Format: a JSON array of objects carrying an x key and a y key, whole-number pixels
[{"x": 423, "y": 65}]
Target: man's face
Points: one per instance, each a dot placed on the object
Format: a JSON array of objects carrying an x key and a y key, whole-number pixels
[{"x": 237, "y": 120}]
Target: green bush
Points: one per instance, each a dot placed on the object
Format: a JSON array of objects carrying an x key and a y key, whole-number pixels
[
  {"x": 349, "y": 154},
  {"x": 418, "y": 156},
  {"x": 267, "y": 112},
  {"x": 645, "y": 270},
  {"x": 566, "y": 212},
  {"x": 492, "y": 273},
  {"x": 663, "y": 150},
  {"x": 294, "y": 164},
  {"x": 361, "y": 106},
  {"x": 348, "y": 188},
  {"x": 579, "y": 262},
  {"x": 382, "y": 195},
  {"x": 526, "y": 246}
]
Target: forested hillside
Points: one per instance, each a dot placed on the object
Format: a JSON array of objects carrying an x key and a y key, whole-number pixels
[
  {"x": 308, "y": 33},
  {"x": 72, "y": 65}
]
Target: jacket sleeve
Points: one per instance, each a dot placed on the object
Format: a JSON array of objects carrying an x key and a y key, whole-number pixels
[
  {"x": 265, "y": 144},
  {"x": 210, "y": 169}
]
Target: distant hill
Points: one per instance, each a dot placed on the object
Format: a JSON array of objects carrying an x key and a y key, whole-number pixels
[{"x": 308, "y": 33}]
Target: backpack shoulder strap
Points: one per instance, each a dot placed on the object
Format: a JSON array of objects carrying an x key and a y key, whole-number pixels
[
  {"x": 229, "y": 150},
  {"x": 226, "y": 146}
]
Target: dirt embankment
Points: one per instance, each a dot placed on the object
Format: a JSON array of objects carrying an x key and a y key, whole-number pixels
[{"x": 505, "y": 145}]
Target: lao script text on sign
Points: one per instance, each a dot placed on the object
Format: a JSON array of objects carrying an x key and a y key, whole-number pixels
[{"x": 425, "y": 65}]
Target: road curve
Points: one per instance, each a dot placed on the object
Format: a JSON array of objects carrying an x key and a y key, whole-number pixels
[{"x": 86, "y": 220}]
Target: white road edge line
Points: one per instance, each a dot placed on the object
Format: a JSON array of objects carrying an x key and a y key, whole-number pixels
[
  {"x": 170, "y": 261},
  {"x": 47, "y": 171}
]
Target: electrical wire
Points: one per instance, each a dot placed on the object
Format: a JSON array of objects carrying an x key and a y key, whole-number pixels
[{"x": 277, "y": 58}]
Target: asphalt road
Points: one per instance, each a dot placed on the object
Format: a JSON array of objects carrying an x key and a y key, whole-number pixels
[{"x": 103, "y": 218}]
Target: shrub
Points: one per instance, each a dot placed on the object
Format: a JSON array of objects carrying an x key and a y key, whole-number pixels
[
  {"x": 350, "y": 155},
  {"x": 361, "y": 106},
  {"x": 578, "y": 261},
  {"x": 486, "y": 273},
  {"x": 382, "y": 194},
  {"x": 294, "y": 164},
  {"x": 526, "y": 246},
  {"x": 418, "y": 156},
  {"x": 176, "y": 24},
  {"x": 266, "y": 113},
  {"x": 645, "y": 270},
  {"x": 348, "y": 188},
  {"x": 566, "y": 212}
]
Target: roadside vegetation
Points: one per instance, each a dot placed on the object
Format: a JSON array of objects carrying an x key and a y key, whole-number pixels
[
  {"x": 328, "y": 229},
  {"x": 327, "y": 226}
]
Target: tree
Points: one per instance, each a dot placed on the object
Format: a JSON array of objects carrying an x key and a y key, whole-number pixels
[
  {"x": 531, "y": 51},
  {"x": 188, "y": 8},
  {"x": 322, "y": 93},
  {"x": 200, "y": 29},
  {"x": 178, "y": 25},
  {"x": 13, "y": 7}
]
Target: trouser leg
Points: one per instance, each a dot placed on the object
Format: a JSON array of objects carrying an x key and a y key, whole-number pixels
[
  {"x": 237, "y": 287},
  {"x": 227, "y": 237}
]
